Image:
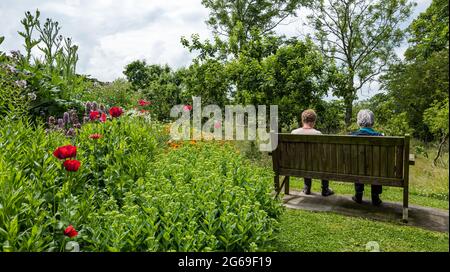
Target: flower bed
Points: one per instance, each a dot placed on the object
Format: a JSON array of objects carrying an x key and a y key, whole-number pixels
[{"x": 131, "y": 191}]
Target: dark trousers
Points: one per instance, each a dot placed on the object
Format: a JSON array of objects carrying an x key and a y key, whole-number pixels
[
  {"x": 376, "y": 189},
  {"x": 308, "y": 183}
]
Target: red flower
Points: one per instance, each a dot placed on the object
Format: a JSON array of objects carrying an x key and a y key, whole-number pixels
[
  {"x": 93, "y": 115},
  {"x": 217, "y": 124},
  {"x": 142, "y": 102},
  {"x": 187, "y": 107},
  {"x": 103, "y": 117},
  {"x": 71, "y": 165},
  {"x": 64, "y": 152},
  {"x": 95, "y": 136},
  {"x": 115, "y": 111},
  {"x": 70, "y": 231}
]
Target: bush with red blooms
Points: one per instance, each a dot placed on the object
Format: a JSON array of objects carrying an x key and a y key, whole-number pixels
[
  {"x": 70, "y": 231},
  {"x": 115, "y": 112},
  {"x": 65, "y": 152},
  {"x": 72, "y": 165}
]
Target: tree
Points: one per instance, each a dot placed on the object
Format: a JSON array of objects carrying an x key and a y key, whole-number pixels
[
  {"x": 360, "y": 36},
  {"x": 424, "y": 75},
  {"x": 235, "y": 19},
  {"x": 294, "y": 78},
  {"x": 429, "y": 31},
  {"x": 137, "y": 74}
]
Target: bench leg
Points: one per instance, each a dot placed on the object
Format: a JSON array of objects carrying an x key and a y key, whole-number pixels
[
  {"x": 276, "y": 182},
  {"x": 286, "y": 185},
  {"x": 405, "y": 204}
]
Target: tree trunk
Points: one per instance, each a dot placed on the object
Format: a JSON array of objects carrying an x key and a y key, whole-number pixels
[
  {"x": 348, "y": 112},
  {"x": 348, "y": 99}
]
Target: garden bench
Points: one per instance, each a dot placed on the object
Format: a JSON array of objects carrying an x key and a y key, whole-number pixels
[{"x": 364, "y": 159}]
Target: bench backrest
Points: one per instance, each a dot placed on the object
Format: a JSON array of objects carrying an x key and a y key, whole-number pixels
[{"x": 366, "y": 159}]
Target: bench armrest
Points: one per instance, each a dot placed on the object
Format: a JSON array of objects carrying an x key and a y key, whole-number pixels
[{"x": 412, "y": 159}]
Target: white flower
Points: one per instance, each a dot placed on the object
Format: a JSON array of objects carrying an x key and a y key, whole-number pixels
[{"x": 32, "y": 96}]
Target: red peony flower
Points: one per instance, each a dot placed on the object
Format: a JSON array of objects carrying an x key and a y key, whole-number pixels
[
  {"x": 70, "y": 231},
  {"x": 71, "y": 165},
  {"x": 143, "y": 103},
  {"x": 95, "y": 136},
  {"x": 187, "y": 107},
  {"x": 64, "y": 152},
  {"x": 103, "y": 117},
  {"x": 115, "y": 111},
  {"x": 94, "y": 115}
]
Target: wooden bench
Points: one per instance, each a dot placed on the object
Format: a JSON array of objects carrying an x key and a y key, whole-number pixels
[{"x": 363, "y": 159}]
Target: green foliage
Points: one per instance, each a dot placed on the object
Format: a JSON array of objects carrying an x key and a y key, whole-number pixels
[
  {"x": 388, "y": 119},
  {"x": 53, "y": 81},
  {"x": 429, "y": 31},
  {"x": 360, "y": 36},
  {"x": 210, "y": 80},
  {"x": 237, "y": 19},
  {"x": 15, "y": 95},
  {"x": 436, "y": 117},
  {"x": 294, "y": 78},
  {"x": 131, "y": 192},
  {"x": 137, "y": 74},
  {"x": 415, "y": 86},
  {"x": 116, "y": 93}
]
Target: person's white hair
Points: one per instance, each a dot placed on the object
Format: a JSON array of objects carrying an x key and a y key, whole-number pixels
[{"x": 365, "y": 118}]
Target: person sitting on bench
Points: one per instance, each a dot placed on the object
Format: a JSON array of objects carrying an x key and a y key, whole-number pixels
[
  {"x": 308, "y": 121},
  {"x": 366, "y": 120}
]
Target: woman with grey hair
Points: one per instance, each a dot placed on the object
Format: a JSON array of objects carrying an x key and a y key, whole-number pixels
[{"x": 366, "y": 120}]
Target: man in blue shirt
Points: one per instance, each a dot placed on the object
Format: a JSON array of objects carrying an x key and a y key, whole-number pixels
[{"x": 365, "y": 120}]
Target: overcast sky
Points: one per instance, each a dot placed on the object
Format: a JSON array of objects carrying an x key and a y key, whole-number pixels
[{"x": 111, "y": 34}]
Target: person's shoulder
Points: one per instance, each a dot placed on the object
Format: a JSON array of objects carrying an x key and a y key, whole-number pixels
[
  {"x": 317, "y": 131},
  {"x": 297, "y": 131}
]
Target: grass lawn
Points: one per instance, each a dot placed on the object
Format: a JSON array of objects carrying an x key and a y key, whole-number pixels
[
  {"x": 325, "y": 231},
  {"x": 329, "y": 232}
]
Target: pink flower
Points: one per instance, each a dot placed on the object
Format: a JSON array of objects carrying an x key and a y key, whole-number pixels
[
  {"x": 187, "y": 107},
  {"x": 143, "y": 103},
  {"x": 217, "y": 124},
  {"x": 103, "y": 117}
]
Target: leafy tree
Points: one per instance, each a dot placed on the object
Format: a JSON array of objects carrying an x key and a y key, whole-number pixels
[
  {"x": 235, "y": 19},
  {"x": 360, "y": 36},
  {"x": 294, "y": 78},
  {"x": 415, "y": 86},
  {"x": 429, "y": 31},
  {"x": 137, "y": 74},
  {"x": 423, "y": 78},
  {"x": 209, "y": 80}
]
